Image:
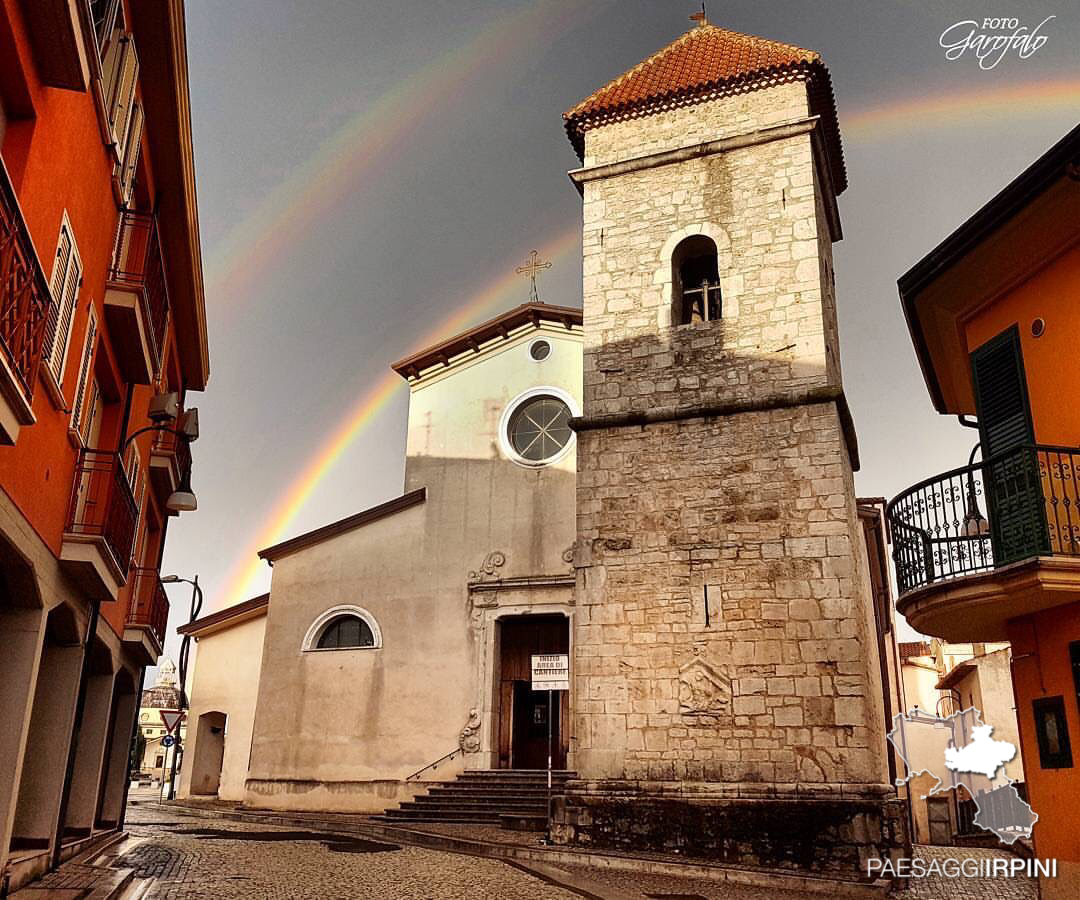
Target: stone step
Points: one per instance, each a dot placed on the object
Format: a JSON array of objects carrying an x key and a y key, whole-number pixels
[
  {"x": 437, "y": 820},
  {"x": 458, "y": 790},
  {"x": 516, "y": 797}
]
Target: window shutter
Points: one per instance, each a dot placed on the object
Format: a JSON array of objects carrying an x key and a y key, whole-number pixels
[
  {"x": 78, "y": 416},
  {"x": 121, "y": 74},
  {"x": 56, "y": 288},
  {"x": 125, "y": 169},
  {"x": 67, "y": 276},
  {"x": 1017, "y": 511},
  {"x": 1001, "y": 398}
]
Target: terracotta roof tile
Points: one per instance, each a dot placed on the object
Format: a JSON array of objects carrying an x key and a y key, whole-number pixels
[{"x": 705, "y": 62}]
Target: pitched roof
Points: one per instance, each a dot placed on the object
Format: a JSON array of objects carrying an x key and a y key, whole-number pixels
[
  {"x": 706, "y": 62},
  {"x": 373, "y": 514},
  {"x": 909, "y": 649},
  {"x": 500, "y": 326},
  {"x": 246, "y": 610}
]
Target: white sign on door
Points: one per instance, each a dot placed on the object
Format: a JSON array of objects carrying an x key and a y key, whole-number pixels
[{"x": 551, "y": 672}]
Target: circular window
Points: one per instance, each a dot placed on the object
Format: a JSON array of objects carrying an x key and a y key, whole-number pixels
[
  {"x": 539, "y": 429},
  {"x": 540, "y": 350}
]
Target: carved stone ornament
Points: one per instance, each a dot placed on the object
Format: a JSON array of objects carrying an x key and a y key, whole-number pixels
[
  {"x": 568, "y": 556},
  {"x": 494, "y": 560},
  {"x": 704, "y": 690},
  {"x": 469, "y": 739}
]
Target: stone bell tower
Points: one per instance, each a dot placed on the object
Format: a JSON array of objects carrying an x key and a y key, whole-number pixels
[{"x": 726, "y": 696}]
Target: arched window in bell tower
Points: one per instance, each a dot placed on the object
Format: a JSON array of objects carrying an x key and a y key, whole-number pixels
[{"x": 695, "y": 281}]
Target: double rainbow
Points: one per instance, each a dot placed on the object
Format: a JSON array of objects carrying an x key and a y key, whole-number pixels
[{"x": 316, "y": 184}]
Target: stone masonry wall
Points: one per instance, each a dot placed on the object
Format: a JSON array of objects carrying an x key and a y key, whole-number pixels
[
  {"x": 757, "y": 512},
  {"x": 758, "y": 204},
  {"x": 752, "y": 514}
]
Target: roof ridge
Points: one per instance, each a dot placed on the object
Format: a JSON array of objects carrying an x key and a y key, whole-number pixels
[
  {"x": 630, "y": 72},
  {"x": 693, "y": 34}
]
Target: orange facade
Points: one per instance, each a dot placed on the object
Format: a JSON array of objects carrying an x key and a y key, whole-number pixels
[
  {"x": 991, "y": 551},
  {"x": 1050, "y": 295},
  {"x": 102, "y": 341},
  {"x": 58, "y": 162}
]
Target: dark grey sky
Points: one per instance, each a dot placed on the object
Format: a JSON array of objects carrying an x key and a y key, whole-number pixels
[{"x": 421, "y": 173}]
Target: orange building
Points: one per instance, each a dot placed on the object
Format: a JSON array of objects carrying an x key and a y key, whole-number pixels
[
  {"x": 990, "y": 551},
  {"x": 102, "y": 335}
]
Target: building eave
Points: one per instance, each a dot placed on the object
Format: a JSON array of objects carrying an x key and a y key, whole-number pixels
[
  {"x": 1059, "y": 162},
  {"x": 374, "y": 514},
  {"x": 233, "y": 615},
  {"x": 475, "y": 338},
  {"x": 160, "y": 25}
]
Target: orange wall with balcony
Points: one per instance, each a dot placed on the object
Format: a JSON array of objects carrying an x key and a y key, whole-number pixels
[
  {"x": 1051, "y": 361},
  {"x": 54, "y": 150}
]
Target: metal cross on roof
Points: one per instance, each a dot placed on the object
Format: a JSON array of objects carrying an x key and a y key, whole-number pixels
[{"x": 531, "y": 268}]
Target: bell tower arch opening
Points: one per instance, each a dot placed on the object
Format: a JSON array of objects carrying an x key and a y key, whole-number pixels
[{"x": 695, "y": 281}]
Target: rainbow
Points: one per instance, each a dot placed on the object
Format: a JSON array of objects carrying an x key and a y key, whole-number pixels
[
  {"x": 350, "y": 155},
  {"x": 499, "y": 294},
  {"x": 961, "y": 109},
  {"x": 318, "y": 184}
]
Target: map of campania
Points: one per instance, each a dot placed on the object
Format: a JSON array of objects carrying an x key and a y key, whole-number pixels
[{"x": 959, "y": 750}]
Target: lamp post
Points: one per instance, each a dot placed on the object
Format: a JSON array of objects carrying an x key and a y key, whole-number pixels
[
  {"x": 185, "y": 646},
  {"x": 163, "y": 413}
]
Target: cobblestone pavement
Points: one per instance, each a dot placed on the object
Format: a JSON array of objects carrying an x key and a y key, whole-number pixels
[
  {"x": 196, "y": 858},
  {"x": 192, "y": 857},
  {"x": 943, "y": 888}
]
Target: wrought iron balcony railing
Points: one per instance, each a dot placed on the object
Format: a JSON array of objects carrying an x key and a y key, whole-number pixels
[
  {"x": 25, "y": 301},
  {"x": 103, "y": 506},
  {"x": 149, "y": 608},
  {"x": 1017, "y": 505},
  {"x": 138, "y": 266}
]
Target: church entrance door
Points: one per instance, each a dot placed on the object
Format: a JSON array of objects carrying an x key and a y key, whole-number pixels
[
  {"x": 523, "y": 713},
  {"x": 530, "y": 730}
]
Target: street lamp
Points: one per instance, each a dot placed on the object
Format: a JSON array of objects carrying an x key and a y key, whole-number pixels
[
  {"x": 185, "y": 646},
  {"x": 163, "y": 412}
]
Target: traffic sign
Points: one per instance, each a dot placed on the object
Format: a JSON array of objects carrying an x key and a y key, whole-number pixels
[
  {"x": 551, "y": 672},
  {"x": 168, "y": 741},
  {"x": 171, "y": 718}
]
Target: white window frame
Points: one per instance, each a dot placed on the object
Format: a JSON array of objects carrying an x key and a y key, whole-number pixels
[
  {"x": 128, "y": 163},
  {"x": 120, "y": 75},
  {"x": 81, "y": 412},
  {"x": 68, "y": 267},
  {"x": 311, "y": 639},
  {"x": 511, "y": 407}
]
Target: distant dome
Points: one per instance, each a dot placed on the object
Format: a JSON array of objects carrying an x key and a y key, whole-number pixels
[{"x": 161, "y": 697}]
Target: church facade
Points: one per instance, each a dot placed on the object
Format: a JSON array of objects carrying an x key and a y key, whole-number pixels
[{"x": 659, "y": 485}]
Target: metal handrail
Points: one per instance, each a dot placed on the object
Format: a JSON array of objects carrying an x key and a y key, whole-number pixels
[
  {"x": 26, "y": 303},
  {"x": 446, "y": 757},
  {"x": 1017, "y": 504},
  {"x": 138, "y": 264},
  {"x": 103, "y": 505}
]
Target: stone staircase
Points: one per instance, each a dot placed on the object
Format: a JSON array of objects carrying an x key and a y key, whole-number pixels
[{"x": 513, "y": 798}]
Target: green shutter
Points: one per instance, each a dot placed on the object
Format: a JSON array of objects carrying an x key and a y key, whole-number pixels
[{"x": 1013, "y": 486}]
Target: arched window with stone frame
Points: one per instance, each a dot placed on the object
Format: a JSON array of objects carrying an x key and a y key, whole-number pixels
[
  {"x": 344, "y": 628},
  {"x": 695, "y": 281}
]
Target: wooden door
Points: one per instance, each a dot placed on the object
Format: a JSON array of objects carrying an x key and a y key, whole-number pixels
[{"x": 520, "y": 742}]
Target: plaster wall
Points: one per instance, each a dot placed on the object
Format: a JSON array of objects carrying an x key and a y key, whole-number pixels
[
  {"x": 344, "y": 729},
  {"x": 225, "y": 679}
]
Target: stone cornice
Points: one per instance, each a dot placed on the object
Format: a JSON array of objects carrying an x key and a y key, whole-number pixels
[{"x": 830, "y": 394}]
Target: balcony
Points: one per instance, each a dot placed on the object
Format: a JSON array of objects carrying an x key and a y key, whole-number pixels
[
  {"x": 170, "y": 464},
  {"x": 986, "y": 543},
  {"x": 100, "y": 533},
  {"x": 148, "y": 616},
  {"x": 25, "y": 305},
  {"x": 137, "y": 298}
]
